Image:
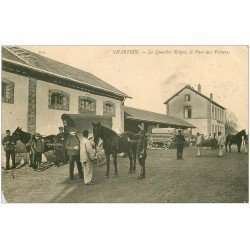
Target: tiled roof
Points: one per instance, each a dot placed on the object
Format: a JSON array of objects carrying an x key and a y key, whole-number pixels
[
  {"x": 195, "y": 91},
  {"x": 29, "y": 59},
  {"x": 144, "y": 115}
]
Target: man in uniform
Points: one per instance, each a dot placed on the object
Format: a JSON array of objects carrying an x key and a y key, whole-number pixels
[
  {"x": 198, "y": 144},
  {"x": 141, "y": 152},
  {"x": 62, "y": 151},
  {"x": 221, "y": 142},
  {"x": 73, "y": 149},
  {"x": 9, "y": 146},
  {"x": 180, "y": 140}
]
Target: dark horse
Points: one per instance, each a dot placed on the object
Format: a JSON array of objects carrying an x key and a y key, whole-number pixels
[
  {"x": 25, "y": 137},
  {"x": 236, "y": 139},
  {"x": 114, "y": 144}
]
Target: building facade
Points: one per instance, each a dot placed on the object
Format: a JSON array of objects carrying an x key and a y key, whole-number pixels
[
  {"x": 191, "y": 105},
  {"x": 36, "y": 91}
]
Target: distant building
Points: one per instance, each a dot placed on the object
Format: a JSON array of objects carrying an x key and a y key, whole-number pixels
[
  {"x": 191, "y": 105},
  {"x": 134, "y": 117},
  {"x": 36, "y": 91}
]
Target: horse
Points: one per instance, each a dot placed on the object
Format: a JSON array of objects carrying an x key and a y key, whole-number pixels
[
  {"x": 114, "y": 144},
  {"x": 133, "y": 138},
  {"x": 24, "y": 137},
  {"x": 236, "y": 139}
]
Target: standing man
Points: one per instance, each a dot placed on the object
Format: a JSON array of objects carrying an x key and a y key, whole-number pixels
[
  {"x": 37, "y": 145},
  {"x": 9, "y": 146},
  {"x": 221, "y": 142},
  {"x": 198, "y": 144},
  {"x": 141, "y": 152},
  {"x": 62, "y": 151},
  {"x": 87, "y": 156},
  {"x": 73, "y": 149},
  {"x": 180, "y": 141}
]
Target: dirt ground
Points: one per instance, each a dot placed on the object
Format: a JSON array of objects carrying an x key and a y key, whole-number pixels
[{"x": 195, "y": 179}]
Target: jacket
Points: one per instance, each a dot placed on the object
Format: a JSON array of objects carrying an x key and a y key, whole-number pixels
[
  {"x": 71, "y": 142},
  {"x": 221, "y": 140},
  {"x": 9, "y": 143},
  {"x": 86, "y": 150},
  {"x": 37, "y": 145},
  {"x": 180, "y": 140},
  {"x": 141, "y": 146},
  {"x": 199, "y": 140}
]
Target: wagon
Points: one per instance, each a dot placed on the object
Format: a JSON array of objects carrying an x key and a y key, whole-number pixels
[
  {"x": 162, "y": 137},
  {"x": 83, "y": 122}
]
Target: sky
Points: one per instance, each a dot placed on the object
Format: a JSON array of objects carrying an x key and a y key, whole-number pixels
[{"x": 152, "y": 74}]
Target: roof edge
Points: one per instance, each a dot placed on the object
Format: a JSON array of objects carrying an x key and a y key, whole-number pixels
[
  {"x": 195, "y": 91},
  {"x": 64, "y": 77}
]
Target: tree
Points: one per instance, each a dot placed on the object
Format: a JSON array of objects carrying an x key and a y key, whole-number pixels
[{"x": 231, "y": 123}]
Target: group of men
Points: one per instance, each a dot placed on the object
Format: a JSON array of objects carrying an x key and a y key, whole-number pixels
[
  {"x": 180, "y": 142},
  {"x": 72, "y": 150}
]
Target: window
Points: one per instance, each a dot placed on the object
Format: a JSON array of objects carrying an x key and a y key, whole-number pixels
[
  {"x": 187, "y": 98},
  {"x": 7, "y": 91},
  {"x": 87, "y": 105},
  {"x": 58, "y": 100},
  {"x": 108, "y": 109},
  {"x": 213, "y": 112},
  {"x": 187, "y": 112}
]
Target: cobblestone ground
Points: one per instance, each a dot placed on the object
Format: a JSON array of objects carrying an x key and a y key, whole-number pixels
[{"x": 195, "y": 179}]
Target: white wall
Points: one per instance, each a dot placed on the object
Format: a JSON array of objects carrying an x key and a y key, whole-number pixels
[
  {"x": 201, "y": 126},
  {"x": 14, "y": 115},
  {"x": 48, "y": 120}
]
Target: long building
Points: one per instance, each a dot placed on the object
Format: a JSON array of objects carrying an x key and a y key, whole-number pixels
[
  {"x": 135, "y": 117},
  {"x": 36, "y": 91}
]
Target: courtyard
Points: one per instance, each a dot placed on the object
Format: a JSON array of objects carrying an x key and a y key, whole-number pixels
[{"x": 202, "y": 179}]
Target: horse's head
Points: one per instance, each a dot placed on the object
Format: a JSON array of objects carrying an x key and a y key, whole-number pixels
[
  {"x": 17, "y": 134},
  {"x": 96, "y": 132}
]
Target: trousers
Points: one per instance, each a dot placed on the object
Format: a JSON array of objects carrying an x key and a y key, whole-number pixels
[
  {"x": 179, "y": 148},
  {"x": 10, "y": 153},
  {"x": 142, "y": 161},
  {"x": 72, "y": 160}
]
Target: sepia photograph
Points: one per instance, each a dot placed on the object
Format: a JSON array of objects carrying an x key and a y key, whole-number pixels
[{"x": 124, "y": 124}]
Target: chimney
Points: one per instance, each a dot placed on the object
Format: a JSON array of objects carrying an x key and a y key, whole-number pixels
[
  {"x": 199, "y": 88},
  {"x": 211, "y": 96}
]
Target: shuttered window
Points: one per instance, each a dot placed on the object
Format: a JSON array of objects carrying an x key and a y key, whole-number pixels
[
  {"x": 187, "y": 112},
  {"x": 58, "y": 100},
  {"x": 87, "y": 105},
  {"x": 108, "y": 108},
  {"x": 7, "y": 91}
]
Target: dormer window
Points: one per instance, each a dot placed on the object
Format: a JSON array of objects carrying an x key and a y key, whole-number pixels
[
  {"x": 58, "y": 100},
  {"x": 7, "y": 91},
  {"x": 108, "y": 109},
  {"x": 187, "y": 98}
]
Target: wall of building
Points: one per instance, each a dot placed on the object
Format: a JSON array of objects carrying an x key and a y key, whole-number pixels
[
  {"x": 198, "y": 104},
  {"x": 14, "y": 115},
  {"x": 48, "y": 120},
  {"x": 201, "y": 126}
]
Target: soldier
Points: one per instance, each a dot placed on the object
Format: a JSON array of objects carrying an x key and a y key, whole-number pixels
[
  {"x": 62, "y": 150},
  {"x": 180, "y": 140},
  {"x": 142, "y": 152},
  {"x": 9, "y": 146},
  {"x": 73, "y": 149},
  {"x": 37, "y": 145},
  {"x": 221, "y": 142},
  {"x": 198, "y": 144}
]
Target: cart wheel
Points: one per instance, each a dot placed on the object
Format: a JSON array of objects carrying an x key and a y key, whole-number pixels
[{"x": 150, "y": 143}]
